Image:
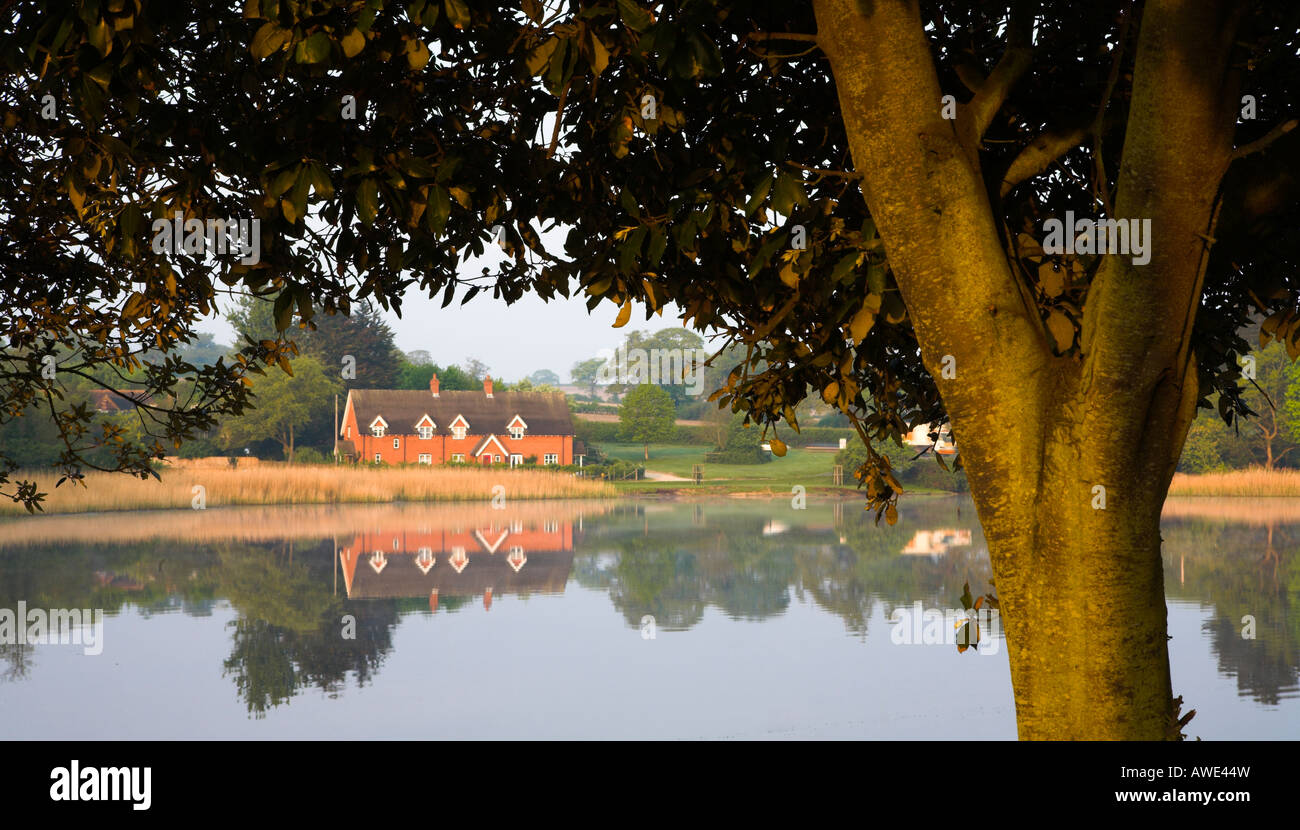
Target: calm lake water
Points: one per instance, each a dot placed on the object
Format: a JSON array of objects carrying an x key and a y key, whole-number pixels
[{"x": 730, "y": 618}]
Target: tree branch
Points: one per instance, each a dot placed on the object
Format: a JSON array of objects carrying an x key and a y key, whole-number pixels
[
  {"x": 1101, "y": 182},
  {"x": 765, "y": 36},
  {"x": 1259, "y": 144},
  {"x": 847, "y": 174},
  {"x": 1011, "y": 66},
  {"x": 929, "y": 200},
  {"x": 1036, "y": 156},
  {"x": 969, "y": 72},
  {"x": 1139, "y": 312}
]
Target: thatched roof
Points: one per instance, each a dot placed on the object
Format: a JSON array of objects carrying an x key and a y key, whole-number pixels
[
  {"x": 546, "y": 413},
  {"x": 545, "y": 571}
]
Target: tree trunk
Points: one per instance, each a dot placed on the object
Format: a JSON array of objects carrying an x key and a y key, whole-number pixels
[
  {"x": 290, "y": 444},
  {"x": 1082, "y": 603},
  {"x": 647, "y": 452},
  {"x": 1069, "y": 457},
  {"x": 1269, "y": 435}
]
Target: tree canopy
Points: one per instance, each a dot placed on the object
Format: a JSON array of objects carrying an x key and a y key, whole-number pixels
[
  {"x": 856, "y": 195},
  {"x": 646, "y": 416},
  {"x": 284, "y": 404},
  {"x": 381, "y": 144}
]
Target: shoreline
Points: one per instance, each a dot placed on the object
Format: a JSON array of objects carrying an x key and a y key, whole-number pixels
[{"x": 195, "y": 488}]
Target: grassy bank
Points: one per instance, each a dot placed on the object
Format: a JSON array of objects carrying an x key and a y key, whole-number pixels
[
  {"x": 1256, "y": 482},
  {"x": 797, "y": 467},
  {"x": 303, "y": 484},
  {"x": 809, "y": 469}
]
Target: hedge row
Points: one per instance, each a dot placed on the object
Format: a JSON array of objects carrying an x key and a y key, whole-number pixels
[{"x": 606, "y": 432}]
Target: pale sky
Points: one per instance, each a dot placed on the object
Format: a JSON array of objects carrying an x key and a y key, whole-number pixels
[{"x": 514, "y": 341}]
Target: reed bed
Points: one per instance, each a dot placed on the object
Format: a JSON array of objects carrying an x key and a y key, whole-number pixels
[
  {"x": 303, "y": 484},
  {"x": 1255, "y": 481},
  {"x": 261, "y": 524}
]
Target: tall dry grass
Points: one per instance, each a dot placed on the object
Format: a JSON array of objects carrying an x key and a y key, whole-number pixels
[
  {"x": 1255, "y": 481},
  {"x": 303, "y": 484}
]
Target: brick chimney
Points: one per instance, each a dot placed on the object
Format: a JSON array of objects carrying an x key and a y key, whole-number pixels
[
  {"x": 487, "y": 386},
  {"x": 433, "y": 386}
]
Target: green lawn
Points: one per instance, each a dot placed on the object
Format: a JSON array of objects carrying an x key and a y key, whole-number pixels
[
  {"x": 797, "y": 467},
  {"x": 812, "y": 470}
]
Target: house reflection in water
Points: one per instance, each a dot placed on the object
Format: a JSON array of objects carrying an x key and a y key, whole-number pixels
[
  {"x": 936, "y": 542},
  {"x": 509, "y": 556}
]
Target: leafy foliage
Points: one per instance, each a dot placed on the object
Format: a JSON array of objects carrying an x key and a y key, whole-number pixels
[
  {"x": 742, "y": 445},
  {"x": 284, "y": 403},
  {"x": 682, "y": 149},
  {"x": 646, "y": 416}
]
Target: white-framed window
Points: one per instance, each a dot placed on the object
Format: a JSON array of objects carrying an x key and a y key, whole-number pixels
[
  {"x": 550, "y": 526},
  {"x": 377, "y": 430},
  {"x": 458, "y": 458},
  {"x": 426, "y": 458},
  {"x": 496, "y": 459},
  {"x": 397, "y": 443},
  {"x": 516, "y": 459},
  {"x": 425, "y": 432},
  {"x": 378, "y": 458},
  {"x": 458, "y": 433},
  {"x": 516, "y": 433},
  {"x": 551, "y": 458},
  {"x": 349, "y": 432}
]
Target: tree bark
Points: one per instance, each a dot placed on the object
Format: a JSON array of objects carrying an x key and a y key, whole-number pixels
[{"x": 1069, "y": 458}]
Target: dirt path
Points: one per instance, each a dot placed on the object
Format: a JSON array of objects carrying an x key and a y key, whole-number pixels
[{"x": 657, "y": 476}]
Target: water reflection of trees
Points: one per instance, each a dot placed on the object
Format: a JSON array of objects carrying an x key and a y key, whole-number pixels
[
  {"x": 672, "y": 565},
  {"x": 670, "y": 562},
  {"x": 1240, "y": 570},
  {"x": 287, "y": 636}
]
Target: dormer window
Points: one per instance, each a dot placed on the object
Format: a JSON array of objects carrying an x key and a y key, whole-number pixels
[
  {"x": 378, "y": 427},
  {"x": 459, "y": 427},
  {"x": 517, "y": 427},
  {"x": 424, "y": 427}
]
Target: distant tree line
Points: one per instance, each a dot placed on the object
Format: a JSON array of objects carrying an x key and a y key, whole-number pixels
[{"x": 291, "y": 415}]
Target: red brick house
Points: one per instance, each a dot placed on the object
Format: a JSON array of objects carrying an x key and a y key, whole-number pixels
[
  {"x": 506, "y": 557},
  {"x": 118, "y": 400},
  {"x": 404, "y": 426}
]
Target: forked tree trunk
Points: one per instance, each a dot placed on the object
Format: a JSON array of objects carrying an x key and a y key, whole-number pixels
[{"x": 1044, "y": 438}]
